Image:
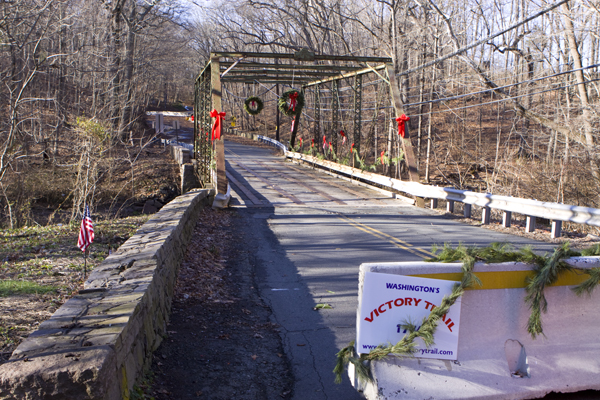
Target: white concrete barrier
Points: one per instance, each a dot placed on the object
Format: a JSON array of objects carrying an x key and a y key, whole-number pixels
[{"x": 497, "y": 358}]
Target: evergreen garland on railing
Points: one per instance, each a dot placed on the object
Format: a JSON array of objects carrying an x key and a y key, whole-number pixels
[{"x": 546, "y": 272}]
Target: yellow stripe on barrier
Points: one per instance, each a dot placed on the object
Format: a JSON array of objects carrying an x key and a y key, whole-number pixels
[{"x": 508, "y": 279}]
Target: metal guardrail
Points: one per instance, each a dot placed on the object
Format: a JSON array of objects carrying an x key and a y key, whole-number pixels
[
  {"x": 272, "y": 142},
  {"x": 555, "y": 212}
]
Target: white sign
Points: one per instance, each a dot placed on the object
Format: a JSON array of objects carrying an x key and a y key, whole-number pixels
[{"x": 388, "y": 301}]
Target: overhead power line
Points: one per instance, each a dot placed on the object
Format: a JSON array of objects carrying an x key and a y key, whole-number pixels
[
  {"x": 507, "y": 99},
  {"x": 482, "y": 41},
  {"x": 460, "y": 96}
]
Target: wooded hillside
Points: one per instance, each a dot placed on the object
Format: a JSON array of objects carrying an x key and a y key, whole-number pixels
[{"x": 502, "y": 95}]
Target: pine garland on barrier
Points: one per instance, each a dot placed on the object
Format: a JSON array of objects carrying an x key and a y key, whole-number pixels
[
  {"x": 406, "y": 346},
  {"x": 546, "y": 271}
]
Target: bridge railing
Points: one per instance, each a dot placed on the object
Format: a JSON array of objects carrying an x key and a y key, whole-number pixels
[{"x": 531, "y": 209}]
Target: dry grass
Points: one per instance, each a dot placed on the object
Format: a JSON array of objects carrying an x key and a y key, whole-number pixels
[
  {"x": 40, "y": 263},
  {"x": 41, "y": 267}
]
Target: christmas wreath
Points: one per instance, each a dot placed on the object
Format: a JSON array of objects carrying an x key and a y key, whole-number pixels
[
  {"x": 253, "y": 105},
  {"x": 291, "y": 102}
]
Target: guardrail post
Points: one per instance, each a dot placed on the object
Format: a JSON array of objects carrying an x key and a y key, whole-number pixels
[
  {"x": 556, "y": 229},
  {"x": 450, "y": 206},
  {"x": 506, "y": 219},
  {"x": 434, "y": 204},
  {"x": 485, "y": 215},
  {"x": 467, "y": 211},
  {"x": 530, "y": 224}
]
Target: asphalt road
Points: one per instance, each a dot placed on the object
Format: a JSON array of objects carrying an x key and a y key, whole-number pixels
[{"x": 310, "y": 232}]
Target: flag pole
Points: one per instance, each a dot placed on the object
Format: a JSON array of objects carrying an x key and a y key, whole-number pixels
[{"x": 85, "y": 254}]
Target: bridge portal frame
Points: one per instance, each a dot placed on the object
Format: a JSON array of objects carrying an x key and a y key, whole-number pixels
[{"x": 303, "y": 68}]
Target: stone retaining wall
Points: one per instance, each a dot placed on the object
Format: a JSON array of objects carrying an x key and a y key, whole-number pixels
[
  {"x": 180, "y": 154},
  {"x": 98, "y": 343}
]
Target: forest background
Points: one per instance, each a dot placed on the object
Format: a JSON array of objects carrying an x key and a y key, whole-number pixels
[{"x": 515, "y": 115}]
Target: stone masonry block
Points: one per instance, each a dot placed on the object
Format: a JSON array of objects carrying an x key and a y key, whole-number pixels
[{"x": 100, "y": 341}]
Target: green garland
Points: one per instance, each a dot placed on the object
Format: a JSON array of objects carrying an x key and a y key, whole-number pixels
[
  {"x": 285, "y": 108},
  {"x": 406, "y": 346},
  {"x": 259, "y": 105},
  {"x": 546, "y": 271}
]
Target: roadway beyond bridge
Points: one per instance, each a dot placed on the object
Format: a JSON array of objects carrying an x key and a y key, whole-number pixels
[{"x": 308, "y": 233}]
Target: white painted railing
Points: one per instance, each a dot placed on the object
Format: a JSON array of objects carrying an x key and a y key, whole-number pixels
[
  {"x": 530, "y": 208},
  {"x": 272, "y": 142}
]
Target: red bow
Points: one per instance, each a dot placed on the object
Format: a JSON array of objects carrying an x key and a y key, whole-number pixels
[
  {"x": 216, "y": 129},
  {"x": 352, "y": 148},
  {"x": 252, "y": 104},
  {"x": 313, "y": 143},
  {"x": 329, "y": 144},
  {"x": 300, "y": 141},
  {"x": 324, "y": 142},
  {"x": 344, "y": 137},
  {"x": 382, "y": 153},
  {"x": 293, "y": 101},
  {"x": 401, "y": 120}
]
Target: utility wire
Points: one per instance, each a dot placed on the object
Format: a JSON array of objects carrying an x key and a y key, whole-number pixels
[
  {"x": 460, "y": 96},
  {"x": 506, "y": 99},
  {"x": 484, "y": 40},
  {"x": 469, "y": 106}
]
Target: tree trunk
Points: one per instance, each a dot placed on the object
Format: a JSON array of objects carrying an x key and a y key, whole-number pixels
[{"x": 581, "y": 88}]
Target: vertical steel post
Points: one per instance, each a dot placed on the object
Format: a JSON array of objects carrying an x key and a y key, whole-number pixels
[
  {"x": 206, "y": 120},
  {"x": 317, "y": 125},
  {"x": 195, "y": 122},
  {"x": 296, "y": 124},
  {"x": 357, "y": 111},
  {"x": 409, "y": 155},
  {"x": 335, "y": 107},
  {"x": 219, "y": 148},
  {"x": 204, "y": 125}
]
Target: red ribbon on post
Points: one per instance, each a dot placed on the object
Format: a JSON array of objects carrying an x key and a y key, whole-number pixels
[
  {"x": 313, "y": 143},
  {"x": 382, "y": 153},
  {"x": 293, "y": 100},
  {"x": 216, "y": 129},
  {"x": 401, "y": 120},
  {"x": 352, "y": 148},
  {"x": 343, "y": 137},
  {"x": 324, "y": 142}
]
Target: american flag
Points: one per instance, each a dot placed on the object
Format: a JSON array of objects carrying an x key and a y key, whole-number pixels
[{"x": 86, "y": 233}]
